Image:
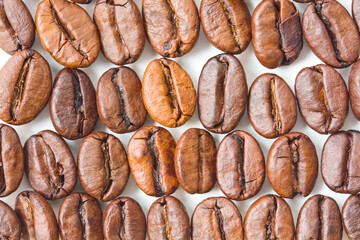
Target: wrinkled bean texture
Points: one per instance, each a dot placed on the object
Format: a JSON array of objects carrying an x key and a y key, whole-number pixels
[
  {"x": 10, "y": 228},
  {"x": 351, "y": 217},
  {"x": 354, "y": 89}
]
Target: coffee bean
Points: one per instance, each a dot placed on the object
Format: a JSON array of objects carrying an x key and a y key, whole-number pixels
[
  {"x": 73, "y": 104},
  {"x": 67, "y": 32},
  {"x": 151, "y": 159},
  {"x": 304, "y": 1},
  {"x": 17, "y": 27},
  {"x": 351, "y": 217},
  {"x": 354, "y": 89},
  {"x": 356, "y": 11},
  {"x": 36, "y": 216},
  {"x": 222, "y": 93},
  {"x": 319, "y": 218},
  {"x": 103, "y": 166},
  {"x": 124, "y": 220},
  {"x": 80, "y": 218},
  {"x": 168, "y": 219},
  {"x": 10, "y": 228},
  {"x": 168, "y": 93},
  {"x": 50, "y": 165},
  {"x": 240, "y": 166},
  {"x": 216, "y": 218},
  {"x": 172, "y": 27},
  {"x": 331, "y": 33},
  {"x": 119, "y": 100},
  {"x": 272, "y": 106},
  {"x": 322, "y": 98},
  {"x": 82, "y": 1},
  {"x": 195, "y": 161}
]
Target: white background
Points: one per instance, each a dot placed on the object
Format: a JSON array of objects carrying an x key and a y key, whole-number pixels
[{"x": 192, "y": 63}]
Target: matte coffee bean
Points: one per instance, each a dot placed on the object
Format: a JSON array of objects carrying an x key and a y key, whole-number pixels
[
  {"x": 276, "y": 33},
  {"x": 195, "y": 161},
  {"x": 49, "y": 165},
  {"x": 272, "y": 106},
  {"x": 269, "y": 217},
  {"x": 240, "y": 166},
  {"x": 216, "y": 218},
  {"x": 119, "y": 100},
  {"x": 172, "y": 27},
  {"x": 322, "y": 98},
  {"x": 226, "y": 24},
  {"x": 151, "y": 159},
  {"x": 168, "y": 219},
  {"x": 354, "y": 89},
  {"x": 67, "y": 32},
  {"x": 73, "y": 104},
  {"x": 17, "y": 27},
  {"x": 25, "y": 87},
  {"x": 103, "y": 166},
  {"x": 319, "y": 218},
  {"x": 331, "y": 33},
  {"x": 351, "y": 217},
  {"x": 10, "y": 228},
  {"x": 124, "y": 220},
  {"x": 168, "y": 93},
  {"x": 222, "y": 93}
]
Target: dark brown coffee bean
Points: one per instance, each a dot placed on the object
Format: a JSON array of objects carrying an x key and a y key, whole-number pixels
[
  {"x": 172, "y": 27},
  {"x": 322, "y": 98},
  {"x": 17, "y": 27},
  {"x": 151, "y": 159},
  {"x": 319, "y": 218},
  {"x": 195, "y": 161},
  {"x": 73, "y": 104},
  {"x": 269, "y": 217},
  {"x": 67, "y": 32},
  {"x": 331, "y": 33},
  {"x": 80, "y": 218},
  {"x": 168, "y": 219},
  {"x": 168, "y": 93},
  {"x": 240, "y": 166},
  {"x": 227, "y": 24},
  {"x": 354, "y": 89},
  {"x": 222, "y": 93},
  {"x": 50, "y": 165},
  {"x": 216, "y": 218},
  {"x": 340, "y": 165},
  {"x": 119, "y": 100},
  {"x": 272, "y": 106},
  {"x": 103, "y": 166},
  {"x": 36, "y": 216},
  {"x": 124, "y": 220},
  {"x": 25, "y": 87},
  {"x": 276, "y": 33},
  {"x": 10, "y": 228},
  {"x": 351, "y": 217}
]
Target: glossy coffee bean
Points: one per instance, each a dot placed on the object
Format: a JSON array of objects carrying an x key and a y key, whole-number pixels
[
  {"x": 351, "y": 217},
  {"x": 151, "y": 159},
  {"x": 240, "y": 166},
  {"x": 10, "y": 227},
  {"x": 222, "y": 93},
  {"x": 354, "y": 89}
]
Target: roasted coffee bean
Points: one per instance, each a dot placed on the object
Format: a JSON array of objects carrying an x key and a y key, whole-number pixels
[
  {"x": 240, "y": 166},
  {"x": 50, "y": 165},
  {"x": 168, "y": 93},
  {"x": 195, "y": 161},
  {"x": 331, "y": 33},
  {"x": 222, "y": 93},
  {"x": 172, "y": 27},
  {"x": 340, "y": 165},
  {"x": 354, "y": 89},
  {"x": 36, "y": 216},
  {"x": 216, "y": 218},
  {"x": 25, "y": 87},
  {"x": 103, "y": 166},
  {"x": 304, "y": 1},
  {"x": 226, "y": 24},
  {"x": 351, "y": 217},
  {"x": 168, "y": 219},
  {"x": 80, "y": 218},
  {"x": 73, "y": 104},
  {"x": 319, "y": 218},
  {"x": 269, "y": 217},
  {"x": 119, "y": 100},
  {"x": 151, "y": 159},
  {"x": 17, "y": 27},
  {"x": 82, "y": 1},
  {"x": 121, "y": 30},
  {"x": 322, "y": 98},
  {"x": 124, "y": 220},
  {"x": 67, "y": 32},
  {"x": 10, "y": 228},
  {"x": 272, "y": 106},
  {"x": 356, "y": 11}
]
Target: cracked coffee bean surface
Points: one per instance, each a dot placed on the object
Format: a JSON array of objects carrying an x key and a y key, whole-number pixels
[{"x": 351, "y": 216}]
